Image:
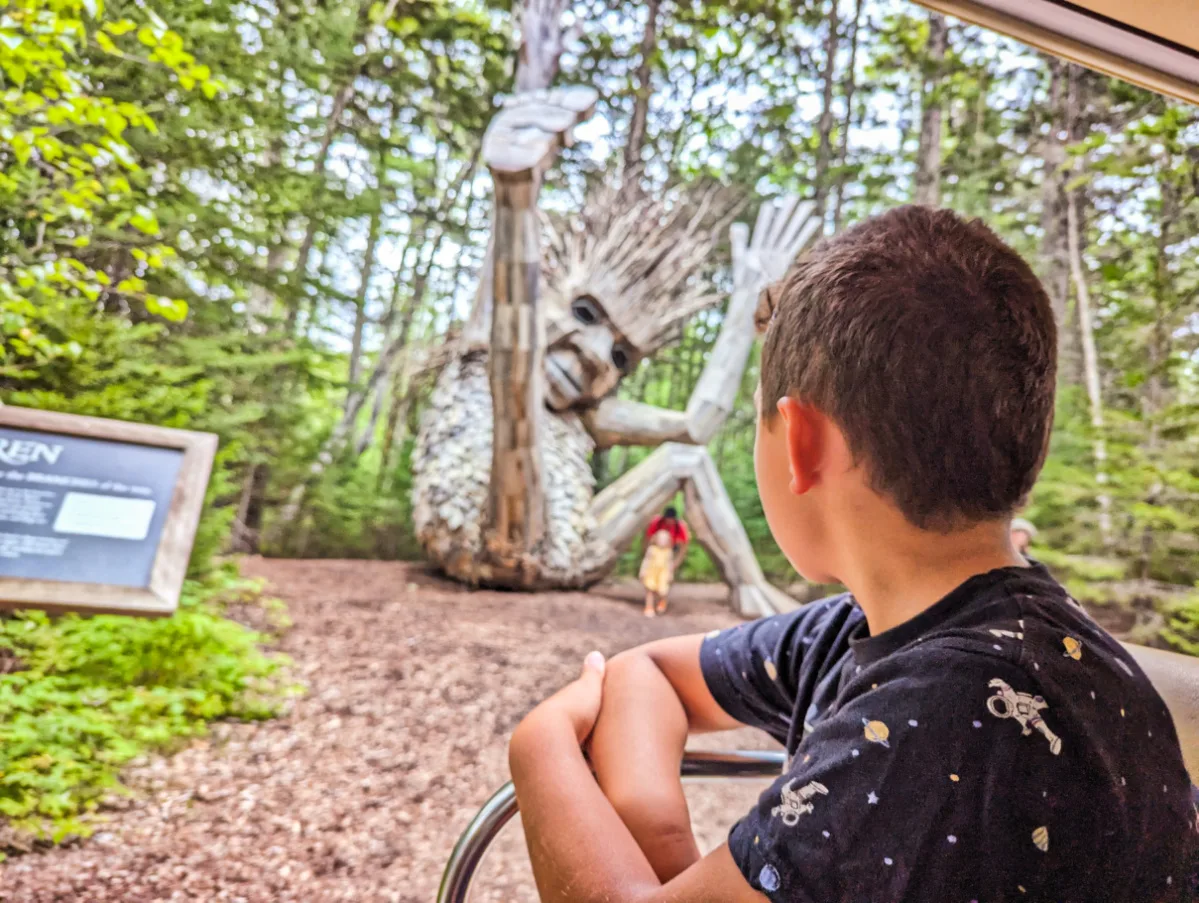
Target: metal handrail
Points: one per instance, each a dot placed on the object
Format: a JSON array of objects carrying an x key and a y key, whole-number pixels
[{"x": 483, "y": 829}]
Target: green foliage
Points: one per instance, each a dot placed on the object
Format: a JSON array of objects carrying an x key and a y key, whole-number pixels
[
  {"x": 1182, "y": 625},
  {"x": 185, "y": 207},
  {"x": 68, "y": 173},
  {"x": 96, "y": 692}
]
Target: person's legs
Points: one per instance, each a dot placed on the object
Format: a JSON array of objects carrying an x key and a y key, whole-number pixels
[
  {"x": 625, "y": 505},
  {"x": 661, "y": 606},
  {"x": 649, "y": 603}
]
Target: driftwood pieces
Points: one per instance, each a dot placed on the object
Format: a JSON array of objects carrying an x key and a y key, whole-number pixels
[
  {"x": 522, "y": 140},
  {"x": 503, "y": 492},
  {"x": 622, "y": 510},
  {"x": 451, "y": 465},
  {"x": 517, "y": 148},
  {"x": 779, "y": 235},
  {"x": 645, "y": 260},
  {"x": 516, "y": 513}
]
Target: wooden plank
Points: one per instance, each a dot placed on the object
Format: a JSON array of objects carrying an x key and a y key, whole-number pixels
[
  {"x": 96, "y": 427},
  {"x": 516, "y": 510}
]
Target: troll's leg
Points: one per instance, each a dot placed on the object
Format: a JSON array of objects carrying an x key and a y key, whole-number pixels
[{"x": 623, "y": 508}]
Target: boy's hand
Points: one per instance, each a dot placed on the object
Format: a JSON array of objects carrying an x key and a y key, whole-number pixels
[{"x": 578, "y": 703}]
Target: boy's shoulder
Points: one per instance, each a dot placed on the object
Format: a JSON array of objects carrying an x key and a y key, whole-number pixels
[
  {"x": 991, "y": 614},
  {"x": 1018, "y": 619}
]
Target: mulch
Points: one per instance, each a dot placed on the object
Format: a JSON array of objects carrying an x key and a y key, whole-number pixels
[{"x": 360, "y": 790}]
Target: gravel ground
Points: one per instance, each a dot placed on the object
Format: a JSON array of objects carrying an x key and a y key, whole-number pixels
[{"x": 360, "y": 791}]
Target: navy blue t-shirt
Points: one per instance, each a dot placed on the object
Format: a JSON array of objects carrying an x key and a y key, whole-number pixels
[{"x": 1000, "y": 746}]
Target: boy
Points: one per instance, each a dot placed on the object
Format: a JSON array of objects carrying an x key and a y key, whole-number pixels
[
  {"x": 657, "y": 572},
  {"x": 957, "y": 728}
]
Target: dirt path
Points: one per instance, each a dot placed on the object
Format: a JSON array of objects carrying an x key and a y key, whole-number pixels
[{"x": 361, "y": 790}]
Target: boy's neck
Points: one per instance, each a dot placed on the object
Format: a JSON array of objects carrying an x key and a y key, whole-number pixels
[{"x": 897, "y": 573}]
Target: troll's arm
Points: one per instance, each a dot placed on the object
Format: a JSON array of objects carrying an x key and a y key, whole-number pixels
[{"x": 778, "y": 236}]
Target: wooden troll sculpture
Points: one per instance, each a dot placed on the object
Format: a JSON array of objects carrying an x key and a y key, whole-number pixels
[{"x": 503, "y": 490}]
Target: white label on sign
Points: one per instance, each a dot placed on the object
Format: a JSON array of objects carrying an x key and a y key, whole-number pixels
[{"x": 104, "y": 515}]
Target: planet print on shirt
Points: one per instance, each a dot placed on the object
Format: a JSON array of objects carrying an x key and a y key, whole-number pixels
[
  {"x": 877, "y": 732},
  {"x": 1040, "y": 837},
  {"x": 1073, "y": 648},
  {"x": 771, "y": 671},
  {"x": 768, "y": 878}
]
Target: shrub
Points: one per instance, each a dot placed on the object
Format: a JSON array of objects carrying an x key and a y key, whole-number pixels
[{"x": 86, "y": 695}]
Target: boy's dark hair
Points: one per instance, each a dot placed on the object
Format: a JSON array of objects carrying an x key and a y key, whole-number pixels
[
  {"x": 932, "y": 345},
  {"x": 670, "y": 513}
]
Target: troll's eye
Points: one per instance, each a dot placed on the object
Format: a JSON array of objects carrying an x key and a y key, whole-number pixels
[
  {"x": 620, "y": 357},
  {"x": 585, "y": 310}
]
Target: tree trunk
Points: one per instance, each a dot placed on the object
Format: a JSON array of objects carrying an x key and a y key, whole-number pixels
[
  {"x": 928, "y": 155},
  {"x": 372, "y": 423},
  {"x": 341, "y": 99},
  {"x": 300, "y": 271},
  {"x": 642, "y": 88},
  {"x": 247, "y": 524},
  {"x": 824, "y": 150},
  {"x": 393, "y": 435},
  {"x": 542, "y": 40},
  {"x": 1153, "y": 397},
  {"x": 1055, "y": 255},
  {"x": 383, "y": 366},
  {"x": 394, "y": 431},
  {"x": 368, "y": 266},
  {"x": 849, "y": 88},
  {"x": 1090, "y": 365},
  {"x": 336, "y": 440},
  {"x": 263, "y": 296}
]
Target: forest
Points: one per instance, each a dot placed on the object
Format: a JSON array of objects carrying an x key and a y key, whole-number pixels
[{"x": 267, "y": 220}]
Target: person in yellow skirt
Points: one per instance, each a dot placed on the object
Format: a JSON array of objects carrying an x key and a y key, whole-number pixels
[{"x": 657, "y": 571}]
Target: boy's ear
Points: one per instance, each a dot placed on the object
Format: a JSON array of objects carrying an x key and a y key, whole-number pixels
[{"x": 804, "y": 435}]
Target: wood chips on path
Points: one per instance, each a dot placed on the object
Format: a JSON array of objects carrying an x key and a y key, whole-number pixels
[{"x": 361, "y": 790}]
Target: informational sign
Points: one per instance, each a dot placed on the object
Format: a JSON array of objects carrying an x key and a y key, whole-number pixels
[{"x": 97, "y": 515}]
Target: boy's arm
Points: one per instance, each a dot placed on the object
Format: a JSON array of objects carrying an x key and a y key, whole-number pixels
[
  {"x": 654, "y": 696},
  {"x": 580, "y": 849}
]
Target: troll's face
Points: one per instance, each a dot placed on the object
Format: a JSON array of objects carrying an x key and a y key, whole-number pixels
[
  {"x": 587, "y": 354},
  {"x": 621, "y": 278}
]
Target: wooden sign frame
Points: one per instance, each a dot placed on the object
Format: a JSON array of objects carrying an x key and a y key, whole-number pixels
[{"x": 161, "y": 596}]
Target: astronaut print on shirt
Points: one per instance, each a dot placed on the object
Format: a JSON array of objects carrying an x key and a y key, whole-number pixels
[{"x": 1001, "y": 726}]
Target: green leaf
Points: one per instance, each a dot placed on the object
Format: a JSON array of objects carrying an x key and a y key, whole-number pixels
[
  {"x": 144, "y": 220},
  {"x": 15, "y": 72}
]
